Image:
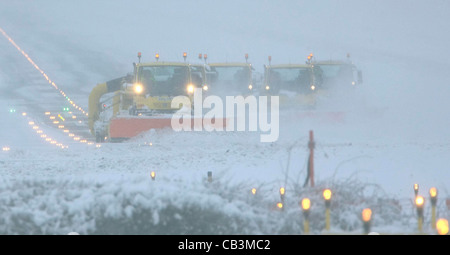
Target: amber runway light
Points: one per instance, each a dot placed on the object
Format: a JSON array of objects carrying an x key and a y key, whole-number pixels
[
  {"x": 327, "y": 196},
  {"x": 306, "y": 205},
  {"x": 433, "y": 199},
  {"x": 420, "y": 201},
  {"x": 153, "y": 175},
  {"x": 367, "y": 219},
  {"x": 416, "y": 189},
  {"x": 442, "y": 226},
  {"x": 282, "y": 194}
]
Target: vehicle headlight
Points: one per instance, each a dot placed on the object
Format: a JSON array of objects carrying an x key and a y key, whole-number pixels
[
  {"x": 353, "y": 83},
  {"x": 190, "y": 88},
  {"x": 250, "y": 87},
  {"x": 267, "y": 87},
  {"x": 313, "y": 87},
  {"x": 138, "y": 88},
  {"x": 205, "y": 87}
]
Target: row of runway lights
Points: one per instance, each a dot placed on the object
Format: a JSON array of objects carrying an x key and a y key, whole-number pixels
[
  {"x": 50, "y": 140},
  {"x": 441, "y": 225},
  {"x": 44, "y": 136},
  {"x": 67, "y": 131},
  {"x": 43, "y": 73}
]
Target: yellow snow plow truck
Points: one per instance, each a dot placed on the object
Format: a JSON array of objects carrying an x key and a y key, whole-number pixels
[
  {"x": 124, "y": 107},
  {"x": 338, "y": 74},
  {"x": 295, "y": 84},
  {"x": 231, "y": 78},
  {"x": 300, "y": 85}
]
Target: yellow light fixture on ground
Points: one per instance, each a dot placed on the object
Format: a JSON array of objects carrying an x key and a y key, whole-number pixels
[
  {"x": 367, "y": 218},
  {"x": 306, "y": 205},
  {"x": 367, "y": 215},
  {"x": 419, "y": 204},
  {"x": 420, "y": 201},
  {"x": 433, "y": 199},
  {"x": 153, "y": 175},
  {"x": 327, "y": 196},
  {"x": 442, "y": 226},
  {"x": 282, "y": 191},
  {"x": 416, "y": 189}
]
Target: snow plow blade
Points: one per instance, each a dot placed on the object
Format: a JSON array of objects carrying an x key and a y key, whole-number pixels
[{"x": 124, "y": 128}]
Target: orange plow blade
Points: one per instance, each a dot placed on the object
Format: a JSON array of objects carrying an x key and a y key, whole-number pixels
[{"x": 123, "y": 128}]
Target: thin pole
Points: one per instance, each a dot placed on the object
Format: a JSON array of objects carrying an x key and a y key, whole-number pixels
[{"x": 311, "y": 157}]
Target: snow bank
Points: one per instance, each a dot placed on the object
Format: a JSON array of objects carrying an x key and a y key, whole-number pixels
[{"x": 137, "y": 205}]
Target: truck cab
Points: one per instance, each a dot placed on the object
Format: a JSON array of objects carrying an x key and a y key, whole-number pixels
[
  {"x": 230, "y": 78},
  {"x": 295, "y": 84},
  {"x": 338, "y": 74},
  {"x": 156, "y": 84}
]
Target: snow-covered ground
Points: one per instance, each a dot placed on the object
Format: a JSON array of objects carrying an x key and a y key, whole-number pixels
[{"x": 395, "y": 131}]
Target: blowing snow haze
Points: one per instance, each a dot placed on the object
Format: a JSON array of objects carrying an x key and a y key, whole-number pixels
[{"x": 400, "y": 46}]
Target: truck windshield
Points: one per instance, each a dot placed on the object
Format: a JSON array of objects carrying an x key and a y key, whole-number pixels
[
  {"x": 335, "y": 73},
  {"x": 292, "y": 79},
  {"x": 231, "y": 76},
  {"x": 164, "y": 80}
]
